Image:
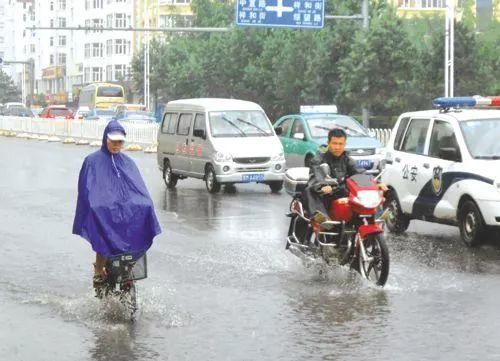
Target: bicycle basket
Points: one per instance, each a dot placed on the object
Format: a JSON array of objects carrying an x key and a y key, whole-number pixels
[{"x": 125, "y": 268}]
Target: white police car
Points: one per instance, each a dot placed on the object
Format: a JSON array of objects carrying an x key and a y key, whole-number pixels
[{"x": 444, "y": 166}]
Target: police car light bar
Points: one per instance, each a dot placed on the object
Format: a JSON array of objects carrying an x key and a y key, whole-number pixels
[
  {"x": 318, "y": 109},
  {"x": 470, "y": 102}
]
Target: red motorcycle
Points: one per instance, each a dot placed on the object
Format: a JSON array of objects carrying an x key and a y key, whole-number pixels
[{"x": 353, "y": 237}]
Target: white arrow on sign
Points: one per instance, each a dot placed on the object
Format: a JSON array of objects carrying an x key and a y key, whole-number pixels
[{"x": 280, "y": 9}]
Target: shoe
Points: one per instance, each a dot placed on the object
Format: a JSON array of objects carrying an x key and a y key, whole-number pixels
[{"x": 320, "y": 217}]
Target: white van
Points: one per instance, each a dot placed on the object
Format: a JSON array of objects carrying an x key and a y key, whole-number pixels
[{"x": 222, "y": 141}]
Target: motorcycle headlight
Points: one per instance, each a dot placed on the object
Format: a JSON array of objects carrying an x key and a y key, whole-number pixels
[
  {"x": 278, "y": 157},
  {"x": 368, "y": 199},
  {"x": 222, "y": 157}
]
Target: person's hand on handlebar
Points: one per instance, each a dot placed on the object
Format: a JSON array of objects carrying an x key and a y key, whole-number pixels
[{"x": 326, "y": 189}]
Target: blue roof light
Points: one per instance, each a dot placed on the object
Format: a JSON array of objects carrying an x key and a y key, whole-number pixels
[{"x": 454, "y": 102}]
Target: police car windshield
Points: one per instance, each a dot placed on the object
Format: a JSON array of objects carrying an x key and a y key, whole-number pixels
[
  {"x": 241, "y": 123},
  {"x": 481, "y": 137},
  {"x": 320, "y": 126}
]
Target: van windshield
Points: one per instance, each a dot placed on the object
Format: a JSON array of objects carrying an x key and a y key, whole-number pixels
[
  {"x": 239, "y": 123},
  {"x": 481, "y": 137}
]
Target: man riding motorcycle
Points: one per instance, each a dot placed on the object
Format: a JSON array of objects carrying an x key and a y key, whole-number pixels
[{"x": 317, "y": 196}]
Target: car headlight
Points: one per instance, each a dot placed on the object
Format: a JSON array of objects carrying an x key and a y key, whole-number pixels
[
  {"x": 278, "y": 157},
  {"x": 368, "y": 199},
  {"x": 222, "y": 157}
]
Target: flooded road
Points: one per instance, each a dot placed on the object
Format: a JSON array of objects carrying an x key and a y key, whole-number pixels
[{"x": 221, "y": 285}]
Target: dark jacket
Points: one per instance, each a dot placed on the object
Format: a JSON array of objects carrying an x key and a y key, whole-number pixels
[{"x": 340, "y": 168}]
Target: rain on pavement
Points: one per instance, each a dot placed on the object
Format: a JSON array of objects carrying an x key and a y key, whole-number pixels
[{"x": 221, "y": 285}]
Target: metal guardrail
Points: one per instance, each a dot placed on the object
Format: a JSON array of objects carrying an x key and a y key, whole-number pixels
[{"x": 93, "y": 130}]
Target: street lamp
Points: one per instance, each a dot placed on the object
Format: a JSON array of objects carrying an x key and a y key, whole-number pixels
[{"x": 449, "y": 48}]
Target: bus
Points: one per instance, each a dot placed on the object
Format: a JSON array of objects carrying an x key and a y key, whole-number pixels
[{"x": 101, "y": 95}]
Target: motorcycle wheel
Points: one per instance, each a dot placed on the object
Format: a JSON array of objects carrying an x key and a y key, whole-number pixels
[{"x": 376, "y": 267}]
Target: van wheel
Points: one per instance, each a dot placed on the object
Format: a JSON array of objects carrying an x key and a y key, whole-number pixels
[
  {"x": 276, "y": 186},
  {"x": 471, "y": 224},
  {"x": 397, "y": 222},
  {"x": 211, "y": 180},
  {"x": 169, "y": 177}
]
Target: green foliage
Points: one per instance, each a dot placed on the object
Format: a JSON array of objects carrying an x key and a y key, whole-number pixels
[
  {"x": 396, "y": 65},
  {"x": 8, "y": 90},
  {"x": 41, "y": 99}
]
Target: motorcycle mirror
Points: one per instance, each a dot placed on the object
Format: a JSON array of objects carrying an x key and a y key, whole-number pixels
[{"x": 325, "y": 168}]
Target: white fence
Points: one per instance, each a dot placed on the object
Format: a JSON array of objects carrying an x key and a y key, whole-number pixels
[
  {"x": 93, "y": 130},
  {"x": 80, "y": 129}
]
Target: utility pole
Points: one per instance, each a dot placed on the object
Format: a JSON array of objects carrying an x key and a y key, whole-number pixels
[
  {"x": 365, "y": 113},
  {"x": 449, "y": 49}
]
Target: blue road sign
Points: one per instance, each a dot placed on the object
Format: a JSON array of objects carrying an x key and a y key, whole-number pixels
[{"x": 281, "y": 13}]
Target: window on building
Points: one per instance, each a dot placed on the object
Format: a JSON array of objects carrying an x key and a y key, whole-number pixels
[
  {"x": 62, "y": 40},
  {"x": 86, "y": 75},
  {"x": 61, "y": 22},
  {"x": 62, "y": 4},
  {"x": 61, "y": 59},
  {"x": 109, "y": 20},
  {"x": 51, "y": 5},
  {"x": 172, "y": 20},
  {"x": 120, "y": 20},
  {"x": 97, "y": 50},
  {"x": 120, "y": 72},
  {"x": 96, "y": 73},
  {"x": 87, "y": 51},
  {"x": 97, "y": 4},
  {"x": 51, "y": 59},
  {"x": 109, "y": 73},
  {"x": 51, "y": 23},
  {"x": 109, "y": 47},
  {"x": 51, "y": 41},
  {"x": 120, "y": 46},
  {"x": 32, "y": 48}
]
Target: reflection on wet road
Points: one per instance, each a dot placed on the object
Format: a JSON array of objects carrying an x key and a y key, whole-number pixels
[{"x": 221, "y": 286}]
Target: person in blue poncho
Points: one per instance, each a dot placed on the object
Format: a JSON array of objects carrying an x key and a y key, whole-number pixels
[{"x": 114, "y": 211}]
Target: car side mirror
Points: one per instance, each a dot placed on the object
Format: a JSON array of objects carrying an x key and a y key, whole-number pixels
[
  {"x": 200, "y": 133},
  {"x": 278, "y": 130},
  {"x": 449, "y": 153},
  {"x": 299, "y": 136}
]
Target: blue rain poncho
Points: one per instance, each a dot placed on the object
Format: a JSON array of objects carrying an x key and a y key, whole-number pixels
[{"x": 114, "y": 211}]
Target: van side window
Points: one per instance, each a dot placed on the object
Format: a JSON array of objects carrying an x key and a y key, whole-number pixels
[
  {"x": 166, "y": 125},
  {"x": 172, "y": 123},
  {"x": 442, "y": 136},
  {"x": 403, "y": 124},
  {"x": 184, "y": 124},
  {"x": 414, "y": 141},
  {"x": 199, "y": 122}
]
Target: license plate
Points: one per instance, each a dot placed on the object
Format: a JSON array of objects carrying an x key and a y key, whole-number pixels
[
  {"x": 246, "y": 178},
  {"x": 365, "y": 163}
]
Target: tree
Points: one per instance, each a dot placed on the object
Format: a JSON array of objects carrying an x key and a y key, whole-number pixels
[{"x": 8, "y": 90}]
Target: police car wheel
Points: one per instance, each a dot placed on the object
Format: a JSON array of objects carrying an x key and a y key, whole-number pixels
[
  {"x": 397, "y": 222},
  {"x": 211, "y": 180},
  {"x": 470, "y": 221},
  {"x": 169, "y": 178}
]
